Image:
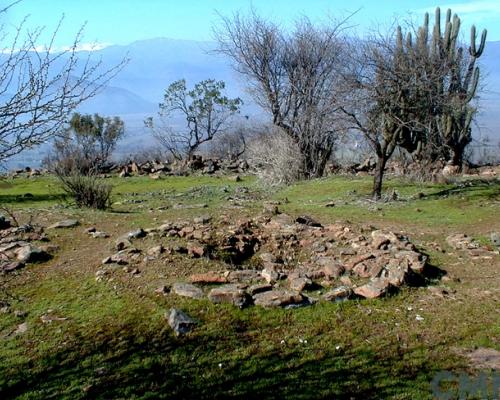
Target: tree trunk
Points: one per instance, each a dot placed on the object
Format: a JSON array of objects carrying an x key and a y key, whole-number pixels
[
  {"x": 457, "y": 157},
  {"x": 378, "y": 178}
]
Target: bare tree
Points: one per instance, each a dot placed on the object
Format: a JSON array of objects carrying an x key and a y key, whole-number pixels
[
  {"x": 296, "y": 77},
  {"x": 206, "y": 110},
  {"x": 40, "y": 88}
]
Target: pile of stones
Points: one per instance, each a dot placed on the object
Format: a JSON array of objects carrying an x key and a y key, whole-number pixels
[
  {"x": 278, "y": 261},
  {"x": 196, "y": 164},
  {"x": 16, "y": 244}
]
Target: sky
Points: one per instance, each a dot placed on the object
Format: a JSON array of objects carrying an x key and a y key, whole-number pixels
[{"x": 125, "y": 21}]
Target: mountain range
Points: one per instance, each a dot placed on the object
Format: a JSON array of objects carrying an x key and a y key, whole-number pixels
[{"x": 153, "y": 64}]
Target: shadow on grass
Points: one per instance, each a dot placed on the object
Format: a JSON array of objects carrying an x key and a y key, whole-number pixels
[
  {"x": 489, "y": 189},
  {"x": 166, "y": 367},
  {"x": 31, "y": 198}
]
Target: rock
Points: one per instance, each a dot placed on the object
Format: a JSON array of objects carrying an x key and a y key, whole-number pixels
[
  {"x": 155, "y": 251},
  {"x": 4, "y": 222},
  {"x": 208, "y": 277},
  {"x": 180, "y": 322},
  {"x": 270, "y": 275},
  {"x": 338, "y": 294},
  {"x": 120, "y": 258},
  {"x": 381, "y": 238},
  {"x": 164, "y": 290},
  {"x": 271, "y": 208},
  {"x": 450, "y": 170},
  {"x": 205, "y": 219},
  {"x": 230, "y": 293},
  {"x": 12, "y": 266},
  {"x": 439, "y": 291},
  {"x": 416, "y": 261},
  {"x": 330, "y": 204},
  {"x": 137, "y": 234},
  {"x": 187, "y": 290},
  {"x": 196, "y": 251},
  {"x": 277, "y": 298},
  {"x": 299, "y": 284},
  {"x": 68, "y": 223},
  {"x": 376, "y": 287},
  {"x": 396, "y": 274},
  {"x": 495, "y": 239},
  {"x": 460, "y": 241},
  {"x": 268, "y": 257},
  {"x": 90, "y": 230},
  {"x": 21, "y": 328},
  {"x": 330, "y": 267},
  {"x": 50, "y": 248},
  {"x": 306, "y": 220},
  {"x": 99, "y": 235},
  {"x": 244, "y": 275},
  {"x": 358, "y": 259},
  {"x": 30, "y": 254},
  {"x": 259, "y": 288},
  {"x": 122, "y": 243}
]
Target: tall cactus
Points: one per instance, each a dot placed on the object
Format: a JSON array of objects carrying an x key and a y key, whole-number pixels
[{"x": 458, "y": 86}]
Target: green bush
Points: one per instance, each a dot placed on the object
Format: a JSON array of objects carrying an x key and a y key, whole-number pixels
[{"x": 87, "y": 190}]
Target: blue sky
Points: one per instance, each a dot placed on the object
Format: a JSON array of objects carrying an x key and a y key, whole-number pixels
[{"x": 125, "y": 21}]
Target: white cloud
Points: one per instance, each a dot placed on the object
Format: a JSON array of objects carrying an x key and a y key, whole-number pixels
[
  {"x": 80, "y": 47},
  {"x": 87, "y": 47}
]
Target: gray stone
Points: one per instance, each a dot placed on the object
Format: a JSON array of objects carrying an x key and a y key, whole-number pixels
[
  {"x": 68, "y": 223},
  {"x": 137, "y": 234},
  {"x": 205, "y": 219},
  {"x": 259, "y": 288},
  {"x": 12, "y": 266},
  {"x": 29, "y": 254},
  {"x": 231, "y": 293},
  {"x": 244, "y": 275},
  {"x": 270, "y": 275},
  {"x": 277, "y": 298},
  {"x": 299, "y": 284},
  {"x": 495, "y": 239},
  {"x": 155, "y": 251},
  {"x": 180, "y": 322},
  {"x": 187, "y": 290},
  {"x": 99, "y": 235},
  {"x": 338, "y": 294}
]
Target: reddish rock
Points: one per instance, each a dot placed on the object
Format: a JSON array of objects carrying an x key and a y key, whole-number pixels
[
  {"x": 377, "y": 287},
  {"x": 331, "y": 267},
  {"x": 208, "y": 277},
  {"x": 358, "y": 259}
]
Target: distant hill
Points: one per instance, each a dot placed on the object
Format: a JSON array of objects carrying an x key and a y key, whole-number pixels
[{"x": 135, "y": 93}]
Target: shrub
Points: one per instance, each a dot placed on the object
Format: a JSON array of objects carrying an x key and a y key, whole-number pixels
[
  {"x": 276, "y": 158},
  {"x": 87, "y": 190}
]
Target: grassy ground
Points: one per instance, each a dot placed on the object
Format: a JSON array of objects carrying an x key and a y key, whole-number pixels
[{"x": 115, "y": 343}]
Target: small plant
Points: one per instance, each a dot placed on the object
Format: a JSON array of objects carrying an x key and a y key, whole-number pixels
[{"x": 87, "y": 190}]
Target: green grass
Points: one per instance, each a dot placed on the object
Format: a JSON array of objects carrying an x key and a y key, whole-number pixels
[{"x": 115, "y": 342}]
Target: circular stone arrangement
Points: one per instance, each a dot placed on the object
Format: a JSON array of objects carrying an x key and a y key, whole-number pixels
[{"x": 276, "y": 260}]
